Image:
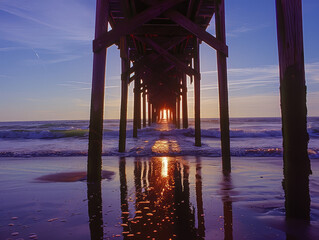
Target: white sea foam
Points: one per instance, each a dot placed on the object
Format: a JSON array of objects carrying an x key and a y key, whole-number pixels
[{"x": 249, "y": 137}]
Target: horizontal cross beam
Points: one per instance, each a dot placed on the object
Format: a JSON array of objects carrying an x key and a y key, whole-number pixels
[
  {"x": 197, "y": 31},
  {"x": 129, "y": 25},
  {"x": 171, "y": 58}
]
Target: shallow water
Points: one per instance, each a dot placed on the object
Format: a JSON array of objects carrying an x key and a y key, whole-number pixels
[
  {"x": 151, "y": 198},
  {"x": 258, "y": 137}
]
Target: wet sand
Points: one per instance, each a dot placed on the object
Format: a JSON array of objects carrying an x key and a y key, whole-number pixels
[{"x": 145, "y": 198}]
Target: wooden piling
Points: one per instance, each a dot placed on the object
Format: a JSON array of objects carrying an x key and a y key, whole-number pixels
[
  {"x": 198, "y": 142},
  {"x": 174, "y": 114},
  {"x": 222, "y": 87},
  {"x": 135, "y": 114},
  {"x": 293, "y": 108},
  {"x": 178, "y": 125},
  {"x": 144, "y": 107},
  {"x": 139, "y": 119},
  {"x": 184, "y": 101},
  {"x": 94, "y": 164},
  {"x": 124, "y": 91},
  {"x": 149, "y": 112}
]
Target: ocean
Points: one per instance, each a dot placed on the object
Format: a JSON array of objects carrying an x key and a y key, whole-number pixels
[{"x": 257, "y": 137}]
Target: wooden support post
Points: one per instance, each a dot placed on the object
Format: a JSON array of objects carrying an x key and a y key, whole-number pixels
[
  {"x": 139, "y": 104},
  {"x": 178, "y": 125},
  {"x": 198, "y": 142},
  {"x": 144, "y": 107},
  {"x": 154, "y": 113},
  {"x": 293, "y": 108},
  {"x": 174, "y": 114},
  {"x": 222, "y": 86},
  {"x": 184, "y": 101},
  {"x": 149, "y": 112},
  {"x": 135, "y": 117},
  {"x": 124, "y": 90},
  {"x": 94, "y": 164}
]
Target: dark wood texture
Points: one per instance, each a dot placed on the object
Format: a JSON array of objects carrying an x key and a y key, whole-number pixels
[
  {"x": 222, "y": 87},
  {"x": 198, "y": 141},
  {"x": 124, "y": 94},
  {"x": 184, "y": 101},
  {"x": 94, "y": 164},
  {"x": 127, "y": 26},
  {"x": 293, "y": 108}
]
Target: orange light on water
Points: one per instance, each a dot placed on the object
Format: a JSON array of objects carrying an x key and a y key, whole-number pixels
[
  {"x": 164, "y": 166},
  {"x": 164, "y": 114}
]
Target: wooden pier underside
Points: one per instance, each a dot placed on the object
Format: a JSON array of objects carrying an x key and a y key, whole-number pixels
[{"x": 159, "y": 42}]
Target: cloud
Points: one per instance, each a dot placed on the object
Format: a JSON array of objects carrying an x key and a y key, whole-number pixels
[
  {"x": 312, "y": 72},
  {"x": 79, "y": 86},
  {"x": 52, "y": 25},
  {"x": 244, "y": 28}
]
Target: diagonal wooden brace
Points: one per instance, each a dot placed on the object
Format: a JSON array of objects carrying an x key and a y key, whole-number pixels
[
  {"x": 129, "y": 25},
  {"x": 171, "y": 58},
  {"x": 193, "y": 28}
]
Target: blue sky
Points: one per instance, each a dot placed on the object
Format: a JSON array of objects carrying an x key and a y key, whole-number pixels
[{"x": 46, "y": 61}]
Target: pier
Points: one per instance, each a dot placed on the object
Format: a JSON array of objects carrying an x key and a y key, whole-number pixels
[{"x": 159, "y": 43}]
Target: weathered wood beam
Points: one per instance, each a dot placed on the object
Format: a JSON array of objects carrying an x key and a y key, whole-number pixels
[
  {"x": 222, "y": 87},
  {"x": 124, "y": 94},
  {"x": 138, "y": 65},
  {"x": 170, "y": 30},
  {"x": 144, "y": 107},
  {"x": 171, "y": 58},
  {"x": 178, "y": 125},
  {"x": 94, "y": 165},
  {"x": 198, "y": 141},
  {"x": 184, "y": 101},
  {"x": 135, "y": 110},
  {"x": 197, "y": 31},
  {"x": 149, "y": 110},
  {"x": 138, "y": 93},
  {"x": 129, "y": 25},
  {"x": 190, "y": 8},
  {"x": 293, "y": 109},
  {"x": 192, "y": 27}
]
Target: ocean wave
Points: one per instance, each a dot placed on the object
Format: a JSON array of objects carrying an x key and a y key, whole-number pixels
[
  {"x": 43, "y": 134},
  {"x": 109, "y": 133},
  {"x": 140, "y": 152}
]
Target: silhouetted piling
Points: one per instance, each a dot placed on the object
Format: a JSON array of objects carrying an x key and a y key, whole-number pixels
[
  {"x": 293, "y": 108},
  {"x": 178, "y": 125},
  {"x": 222, "y": 87},
  {"x": 144, "y": 107},
  {"x": 198, "y": 142},
  {"x": 135, "y": 117},
  {"x": 97, "y": 97},
  {"x": 124, "y": 90},
  {"x": 138, "y": 93},
  {"x": 149, "y": 113},
  {"x": 184, "y": 101}
]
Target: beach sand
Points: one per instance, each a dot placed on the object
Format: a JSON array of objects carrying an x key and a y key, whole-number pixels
[{"x": 160, "y": 197}]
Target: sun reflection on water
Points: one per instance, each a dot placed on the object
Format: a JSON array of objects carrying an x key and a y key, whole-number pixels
[
  {"x": 166, "y": 146},
  {"x": 164, "y": 167}
]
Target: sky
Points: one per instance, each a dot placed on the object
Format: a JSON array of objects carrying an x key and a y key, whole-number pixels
[{"x": 46, "y": 61}]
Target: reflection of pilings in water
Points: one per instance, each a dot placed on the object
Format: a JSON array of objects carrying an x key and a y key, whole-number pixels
[
  {"x": 137, "y": 179},
  {"x": 124, "y": 203},
  {"x": 199, "y": 200},
  {"x": 95, "y": 210},
  {"x": 184, "y": 215},
  {"x": 144, "y": 176},
  {"x": 228, "y": 207}
]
